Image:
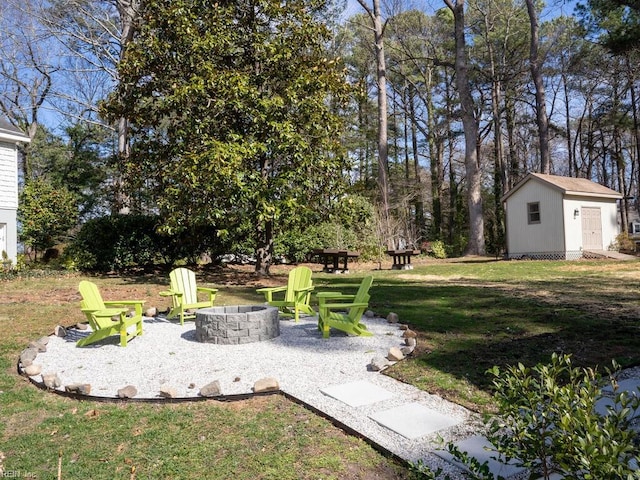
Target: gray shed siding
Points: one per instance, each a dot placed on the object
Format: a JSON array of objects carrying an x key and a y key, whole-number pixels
[{"x": 524, "y": 238}]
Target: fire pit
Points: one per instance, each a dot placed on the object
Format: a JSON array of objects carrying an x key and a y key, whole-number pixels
[{"x": 233, "y": 325}]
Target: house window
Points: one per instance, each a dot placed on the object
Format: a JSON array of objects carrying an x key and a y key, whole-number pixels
[{"x": 533, "y": 211}]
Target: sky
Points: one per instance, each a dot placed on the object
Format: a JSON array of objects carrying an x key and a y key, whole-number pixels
[
  {"x": 353, "y": 7},
  {"x": 553, "y": 7}
]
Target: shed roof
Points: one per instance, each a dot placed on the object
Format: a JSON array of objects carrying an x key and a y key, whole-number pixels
[
  {"x": 567, "y": 185},
  {"x": 10, "y": 133}
]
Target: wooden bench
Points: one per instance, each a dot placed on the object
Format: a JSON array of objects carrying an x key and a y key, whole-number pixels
[
  {"x": 332, "y": 257},
  {"x": 402, "y": 258}
]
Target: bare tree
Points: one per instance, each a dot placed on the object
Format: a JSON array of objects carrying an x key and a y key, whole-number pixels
[
  {"x": 27, "y": 68},
  {"x": 95, "y": 34}
]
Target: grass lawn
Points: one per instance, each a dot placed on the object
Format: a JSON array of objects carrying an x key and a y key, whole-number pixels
[{"x": 469, "y": 316}]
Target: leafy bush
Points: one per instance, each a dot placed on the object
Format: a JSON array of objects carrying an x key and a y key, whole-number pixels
[
  {"x": 349, "y": 227},
  {"x": 623, "y": 243},
  {"x": 46, "y": 214},
  {"x": 438, "y": 249},
  {"x": 548, "y": 423},
  {"x": 121, "y": 241},
  {"x": 115, "y": 242}
]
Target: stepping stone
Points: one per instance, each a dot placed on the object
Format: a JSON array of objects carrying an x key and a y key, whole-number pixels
[
  {"x": 479, "y": 447},
  {"x": 357, "y": 394},
  {"x": 604, "y": 402},
  {"x": 413, "y": 420},
  {"x": 630, "y": 385}
]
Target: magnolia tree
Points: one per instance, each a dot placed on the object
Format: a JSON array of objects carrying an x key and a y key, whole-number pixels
[{"x": 233, "y": 108}]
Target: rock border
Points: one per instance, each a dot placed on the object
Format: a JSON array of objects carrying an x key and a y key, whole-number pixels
[{"x": 50, "y": 381}]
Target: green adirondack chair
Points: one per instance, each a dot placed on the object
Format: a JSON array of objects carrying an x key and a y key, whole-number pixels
[
  {"x": 184, "y": 294},
  {"x": 344, "y": 311},
  {"x": 295, "y": 295},
  {"x": 108, "y": 318}
]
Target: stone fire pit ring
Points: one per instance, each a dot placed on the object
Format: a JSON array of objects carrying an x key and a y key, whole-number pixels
[{"x": 237, "y": 324}]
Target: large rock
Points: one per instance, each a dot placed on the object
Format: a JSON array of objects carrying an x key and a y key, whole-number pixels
[
  {"x": 40, "y": 347},
  {"x": 60, "y": 331},
  {"x": 379, "y": 363},
  {"x": 211, "y": 389},
  {"x": 409, "y": 334},
  {"x": 27, "y": 356},
  {"x": 395, "y": 354},
  {"x": 167, "y": 391},
  {"x": 393, "y": 317},
  {"x": 32, "y": 370},
  {"x": 266, "y": 385},
  {"x": 51, "y": 380},
  {"x": 79, "y": 388},
  {"x": 127, "y": 392},
  {"x": 407, "y": 350}
]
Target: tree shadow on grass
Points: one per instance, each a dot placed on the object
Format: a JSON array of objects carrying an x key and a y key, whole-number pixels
[{"x": 466, "y": 327}]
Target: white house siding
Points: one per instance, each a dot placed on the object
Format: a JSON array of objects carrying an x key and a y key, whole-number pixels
[
  {"x": 535, "y": 238},
  {"x": 8, "y": 176},
  {"x": 8, "y": 199},
  {"x": 8, "y": 233},
  {"x": 608, "y": 214}
]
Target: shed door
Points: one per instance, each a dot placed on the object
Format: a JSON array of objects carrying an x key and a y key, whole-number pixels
[{"x": 591, "y": 228}]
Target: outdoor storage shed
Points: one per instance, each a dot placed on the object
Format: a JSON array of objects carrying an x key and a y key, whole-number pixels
[
  {"x": 553, "y": 217},
  {"x": 9, "y": 139}
]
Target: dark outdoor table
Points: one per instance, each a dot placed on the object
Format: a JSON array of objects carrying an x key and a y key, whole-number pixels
[
  {"x": 402, "y": 258},
  {"x": 331, "y": 258}
]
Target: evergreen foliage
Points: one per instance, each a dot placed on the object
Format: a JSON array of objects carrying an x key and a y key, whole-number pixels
[
  {"x": 46, "y": 213},
  {"x": 233, "y": 107},
  {"x": 119, "y": 242}
]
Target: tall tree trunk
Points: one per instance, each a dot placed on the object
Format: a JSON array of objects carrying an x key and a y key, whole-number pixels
[
  {"x": 499, "y": 170},
  {"x": 436, "y": 155},
  {"x": 264, "y": 247},
  {"x": 636, "y": 124},
  {"x": 375, "y": 15},
  {"x": 567, "y": 115},
  {"x": 128, "y": 11},
  {"x": 622, "y": 183},
  {"x": 535, "y": 63},
  {"x": 476, "y": 244},
  {"x": 513, "y": 175},
  {"x": 419, "y": 204}
]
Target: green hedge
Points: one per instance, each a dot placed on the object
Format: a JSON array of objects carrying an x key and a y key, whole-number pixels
[{"x": 118, "y": 242}]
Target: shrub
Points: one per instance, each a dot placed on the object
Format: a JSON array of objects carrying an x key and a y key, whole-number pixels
[
  {"x": 114, "y": 243},
  {"x": 294, "y": 245},
  {"x": 548, "y": 421},
  {"x": 46, "y": 213},
  {"x": 623, "y": 243},
  {"x": 438, "y": 249},
  {"x": 548, "y": 424}
]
